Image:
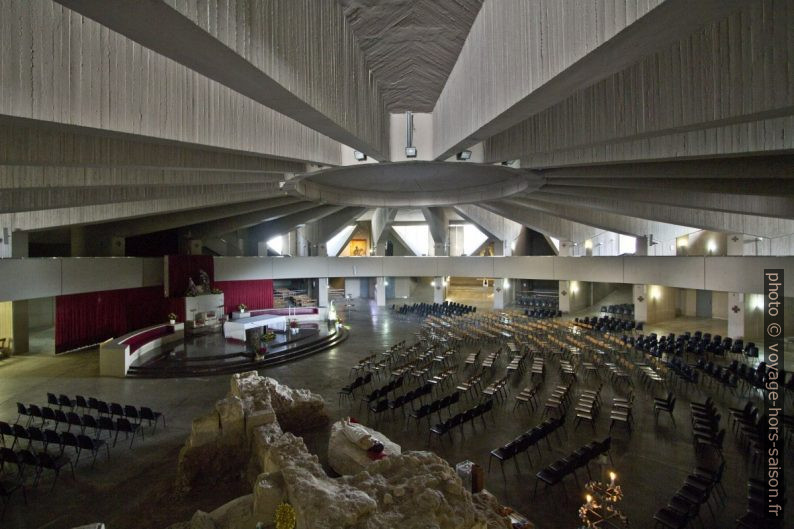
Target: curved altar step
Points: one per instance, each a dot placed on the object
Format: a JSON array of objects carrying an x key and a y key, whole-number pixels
[{"x": 235, "y": 363}]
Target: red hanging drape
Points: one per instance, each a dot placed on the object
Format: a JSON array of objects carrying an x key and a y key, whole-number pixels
[
  {"x": 85, "y": 319},
  {"x": 183, "y": 267},
  {"x": 256, "y": 294}
]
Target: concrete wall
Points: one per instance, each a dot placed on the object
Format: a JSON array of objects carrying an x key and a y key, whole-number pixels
[
  {"x": 661, "y": 303},
  {"x": 38, "y": 278},
  {"x": 6, "y": 321},
  {"x": 41, "y": 313},
  {"x": 719, "y": 305}
]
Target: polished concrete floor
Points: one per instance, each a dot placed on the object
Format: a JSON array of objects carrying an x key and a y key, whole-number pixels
[{"x": 131, "y": 490}]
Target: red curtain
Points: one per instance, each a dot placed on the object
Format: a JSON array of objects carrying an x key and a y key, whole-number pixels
[
  {"x": 85, "y": 319},
  {"x": 255, "y": 294},
  {"x": 183, "y": 267}
]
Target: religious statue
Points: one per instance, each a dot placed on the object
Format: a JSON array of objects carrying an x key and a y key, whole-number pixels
[
  {"x": 204, "y": 280},
  {"x": 192, "y": 289}
]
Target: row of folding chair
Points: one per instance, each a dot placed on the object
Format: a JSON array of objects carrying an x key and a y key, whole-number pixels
[
  {"x": 556, "y": 472},
  {"x": 460, "y": 419},
  {"x": 48, "y": 438},
  {"x": 684, "y": 506},
  {"x": 525, "y": 441}
]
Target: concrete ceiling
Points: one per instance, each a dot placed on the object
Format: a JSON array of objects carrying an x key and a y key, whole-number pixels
[
  {"x": 637, "y": 117},
  {"x": 411, "y": 45}
]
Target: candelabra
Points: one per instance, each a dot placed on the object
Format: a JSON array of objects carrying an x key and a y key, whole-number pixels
[{"x": 601, "y": 507}]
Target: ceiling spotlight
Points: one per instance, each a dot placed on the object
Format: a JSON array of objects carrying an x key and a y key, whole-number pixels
[
  {"x": 463, "y": 155},
  {"x": 360, "y": 156},
  {"x": 410, "y": 152}
]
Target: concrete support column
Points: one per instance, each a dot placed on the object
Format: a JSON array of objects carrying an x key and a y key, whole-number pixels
[
  {"x": 502, "y": 249},
  {"x": 77, "y": 242},
  {"x": 499, "y": 293},
  {"x": 107, "y": 246},
  {"x": 566, "y": 248},
  {"x": 19, "y": 316},
  {"x": 642, "y": 246},
  {"x": 301, "y": 243},
  {"x": 195, "y": 247},
  {"x": 13, "y": 243},
  {"x": 380, "y": 248},
  {"x": 380, "y": 291},
  {"x": 640, "y": 297},
  {"x": 439, "y": 290},
  {"x": 735, "y": 244},
  {"x": 735, "y": 314},
  {"x": 322, "y": 291},
  {"x": 565, "y": 296}
]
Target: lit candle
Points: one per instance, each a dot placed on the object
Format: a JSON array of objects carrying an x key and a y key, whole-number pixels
[{"x": 612, "y": 477}]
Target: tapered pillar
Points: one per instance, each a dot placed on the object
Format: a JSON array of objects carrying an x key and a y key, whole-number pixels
[
  {"x": 439, "y": 290},
  {"x": 380, "y": 291},
  {"x": 322, "y": 291},
  {"x": 19, "y": 310},
  {"x": 736, "y": 315},
  {"x": 499, "y": 292}
]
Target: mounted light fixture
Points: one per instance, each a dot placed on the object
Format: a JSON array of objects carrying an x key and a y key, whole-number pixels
[
  {"x": 360, "y": 156},
  {"x": 463, "y": 155},
  {"x": 410, "y": 150}
]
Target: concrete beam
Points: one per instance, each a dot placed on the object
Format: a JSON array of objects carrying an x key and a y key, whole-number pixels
[
  {"x": 332, "y": 225},
  {"x": 569, "y": 223},
  {"x": 382, "y": 219},
  {"x": 169, "y": 221},
  {"x": 694, "y": 217},
  {"x": 551, "y": 49},
  {"x": 265, "y": 52},
  {"x": 33, "y": 143},
  {"x": 238, "y": 222},
  {"x": 682, "y": 87},
  {"x": 765, "y": 206},
  {"x": 494, "y": 225},
  {"x": 438, "y": 223},
  {"x": 267, "y": 230},
  {"x": 59, "y": 197},
  {"x": 50, "y": 64},
  {"x": 97, "y": 213}
]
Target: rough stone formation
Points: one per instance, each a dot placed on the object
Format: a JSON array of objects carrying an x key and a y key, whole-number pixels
[
  {"x": 345, "y": 457},
  {"x": 223, "y": 438},
  {"x": 411, "y": 490}
]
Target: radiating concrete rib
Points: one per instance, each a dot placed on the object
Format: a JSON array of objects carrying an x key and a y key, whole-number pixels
[
  {"x": 438, "y": 222},
  {"x": 170, "y": 31},
  {"x": 494, "y": 225},
  {"x": 168, "y": 221},
  {"x": 765, "y": 206},
  {"x": 267, "y": 230},
  {"x": 329, "y": 227},
  {"x": 698, "y": 218},
  {"x": 382, "y": 219},
  {"x": 237, "y": 222},
  {"x": 54, "y": 218},
  {"x": 598, "y": 55},
  {"x": 33, "y": 143}
]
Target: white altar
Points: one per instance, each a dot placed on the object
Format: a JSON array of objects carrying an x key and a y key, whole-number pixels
[
  {"x": 198, "y": 307},
  {"x": 235, "y": 329}
]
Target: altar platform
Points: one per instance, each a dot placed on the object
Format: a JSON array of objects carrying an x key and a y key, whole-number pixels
[
  {"x": 214, "y": 355},
  {"x": 235, "y": 328}
]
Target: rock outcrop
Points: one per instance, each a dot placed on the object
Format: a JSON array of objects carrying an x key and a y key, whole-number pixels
[
  {"x": 223, "y": 439},
  {"x": 409, "y": 490}
]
